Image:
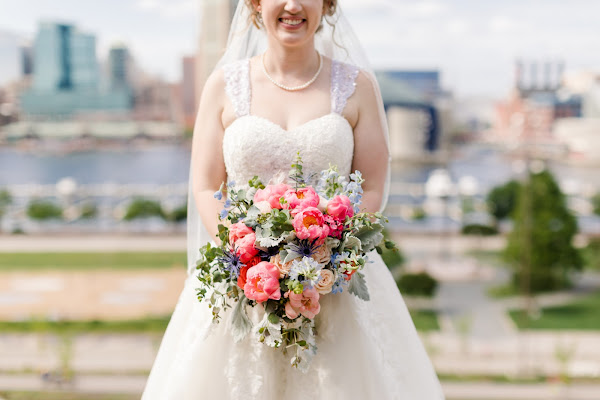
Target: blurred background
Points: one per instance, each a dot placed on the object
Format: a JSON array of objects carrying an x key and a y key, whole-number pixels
[{"x": 494, "y": 115}]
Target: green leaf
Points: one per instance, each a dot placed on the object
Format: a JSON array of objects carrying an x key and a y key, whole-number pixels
[
  {"x": 240, "y": 322},
  {"x": 274, "y": 319},
  {"x": 358, "y": 287},
  {"x": 370, "y": 236}
]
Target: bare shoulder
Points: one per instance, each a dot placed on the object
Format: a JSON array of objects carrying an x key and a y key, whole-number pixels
[
  {"x": 365, "y": 87},
  {"x": 214, "y": 87},
  {"x": 363, "y": 100}
]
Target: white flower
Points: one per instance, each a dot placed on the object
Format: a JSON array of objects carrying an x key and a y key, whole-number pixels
[
  {"x": 263, "y": 206},
  {"x": 322, "y": 204}
]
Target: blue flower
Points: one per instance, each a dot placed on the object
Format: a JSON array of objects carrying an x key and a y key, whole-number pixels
[
  {"x": 227, "y": 203},
  {"x": 231, "y": 262},
  {"x": 230, "y": 184},
  {"x": 224, "y": 213},
  {"x": 304, "y": 248},
  {"x": 218, "y": 195},
  {"x": 338, "y": 285}
]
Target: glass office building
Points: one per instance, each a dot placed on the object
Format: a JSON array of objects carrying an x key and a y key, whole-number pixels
[{"x": 66, "y": 76}]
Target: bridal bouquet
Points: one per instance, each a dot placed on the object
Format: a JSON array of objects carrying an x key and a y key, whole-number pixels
[{"x": 283, "y": 247}]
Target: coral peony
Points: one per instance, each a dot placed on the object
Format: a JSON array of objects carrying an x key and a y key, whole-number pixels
[
  {"x": 296, "y": 200},
  {"x": 262, "y": 282},
  {"x": 310, "y": 224},
  {"x": 272, "y": 194},
  {"x": 340, "y": 207}
]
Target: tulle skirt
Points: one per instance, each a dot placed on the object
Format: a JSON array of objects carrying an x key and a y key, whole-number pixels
[{"x": 366, "y": 350}]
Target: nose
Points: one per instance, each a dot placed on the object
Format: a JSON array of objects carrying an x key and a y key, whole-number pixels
[{"x": 292, "y": 6}]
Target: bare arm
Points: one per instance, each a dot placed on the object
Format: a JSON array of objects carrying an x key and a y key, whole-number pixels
[
  {"x": 208, "y": 167},
  {"x": 370, "y": 149}
]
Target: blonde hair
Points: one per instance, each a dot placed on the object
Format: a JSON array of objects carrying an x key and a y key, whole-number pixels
[{"x": 329, "y": 7}]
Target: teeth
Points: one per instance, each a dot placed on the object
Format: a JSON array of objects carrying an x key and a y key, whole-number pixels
[{"x": 291, "y": 21}]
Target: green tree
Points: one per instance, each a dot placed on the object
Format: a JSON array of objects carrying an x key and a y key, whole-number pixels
[
  {"x": 142, "y": 208},
  {"x": 179, "y": 214},
  {"x": 596, "y": 203},
  {"x": 502, "y": 199},
  {"x": 43, "y": 209},
  {"x": 540, "y": 245},
  {"x": 5, "y": 201}
]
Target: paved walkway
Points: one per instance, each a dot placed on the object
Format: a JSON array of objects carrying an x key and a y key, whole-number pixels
[
  {"x": 85, "y": 295},
  {"x": 453, "y": 390}
]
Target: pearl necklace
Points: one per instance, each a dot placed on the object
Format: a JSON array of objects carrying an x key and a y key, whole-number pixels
[{"x": 293, "y": 88}]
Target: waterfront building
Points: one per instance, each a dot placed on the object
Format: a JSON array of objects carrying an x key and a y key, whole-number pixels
[
  {"x": 66, "y": 76},
  {"x": 536, "y": 102},
  {"x": 417, "y": 109},
  {"x": 188, "y": 91}
]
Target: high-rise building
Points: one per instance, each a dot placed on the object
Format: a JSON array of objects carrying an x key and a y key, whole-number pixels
[
  {"x": 26, "y": 53},
  {"x": 66, "y": 76},
  {"x": 216, "y": 16},
  {"x": 119, "y": 67},
  {"x": 188, "y": 91}
]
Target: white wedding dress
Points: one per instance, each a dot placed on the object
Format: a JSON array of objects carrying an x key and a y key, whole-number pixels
[{"x": 366, "y": 350}]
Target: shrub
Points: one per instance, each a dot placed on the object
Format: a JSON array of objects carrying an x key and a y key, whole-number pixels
[
  {"x": 144, "y": 208},
  {"x": 419, "y": 284},
  {"x": 88, "y": 210},
  {"x": 43, "y": 209},
  {"x": 479, "y": 229},
  {"x": 179, "y": 214},
  {"x": 596, "y": 203},
  {"x": 5, "y": 200}
]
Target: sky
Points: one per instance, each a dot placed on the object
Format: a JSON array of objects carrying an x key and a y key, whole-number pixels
[{"x": 474, "y": 43}]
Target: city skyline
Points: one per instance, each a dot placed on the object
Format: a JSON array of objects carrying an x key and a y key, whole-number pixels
[{"x": 474, "y": 44}]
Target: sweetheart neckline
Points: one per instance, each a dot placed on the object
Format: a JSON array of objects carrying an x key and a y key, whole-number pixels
[{"x": 289, "y": 130}]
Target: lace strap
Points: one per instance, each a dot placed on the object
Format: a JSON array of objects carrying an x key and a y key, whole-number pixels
[
  {"x": 237, "y": 85},
  {"x": 343, "y": 83}
]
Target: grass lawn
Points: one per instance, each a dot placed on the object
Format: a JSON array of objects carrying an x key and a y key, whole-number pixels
[
  {"x": 425, "y": 320},
  {"x": 52, "y": 395},
  {"x": 79, "y": 261},
  {"x": 581, "y": 314},
  {"x": 145, "y": 325}
]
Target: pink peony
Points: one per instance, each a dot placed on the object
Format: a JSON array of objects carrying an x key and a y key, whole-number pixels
[
  {"x": 305, "y": 303},
  {"x": 245, "y": 249},
  {"x": 238, "y": 231},
  {"x": 309, "y": 223},
  {"x": 271, "y": 194},
  {"x": 340, "y": 207},
  {"x": 302, "y": 198},
  {"x": 262, "y": 282}
]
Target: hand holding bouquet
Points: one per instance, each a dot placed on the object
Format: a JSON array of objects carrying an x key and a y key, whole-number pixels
[{"x": 285, "y": 246}]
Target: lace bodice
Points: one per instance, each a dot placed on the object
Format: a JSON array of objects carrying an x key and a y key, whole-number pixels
[{"x": 254, "y": 145}]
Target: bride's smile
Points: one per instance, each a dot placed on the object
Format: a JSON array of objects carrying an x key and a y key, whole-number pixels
[{"x": 291, "y": 22}]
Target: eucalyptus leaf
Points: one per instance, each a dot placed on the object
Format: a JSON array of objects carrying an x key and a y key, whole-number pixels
[
  {"x": 240, "y": 322},
  {"x": 358, "y": 286}
]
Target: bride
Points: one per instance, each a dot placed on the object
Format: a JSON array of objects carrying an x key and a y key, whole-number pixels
[{"x": 293, "y": 79}]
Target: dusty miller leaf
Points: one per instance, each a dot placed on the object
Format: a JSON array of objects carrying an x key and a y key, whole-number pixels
[
  {"x": 370, "y": 236},
  {"x": 358, "y": 286},
  {"x": 240, "y": 322}
]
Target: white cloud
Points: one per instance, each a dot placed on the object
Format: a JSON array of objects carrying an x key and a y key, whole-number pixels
[{"x": 170, "y": 9}]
